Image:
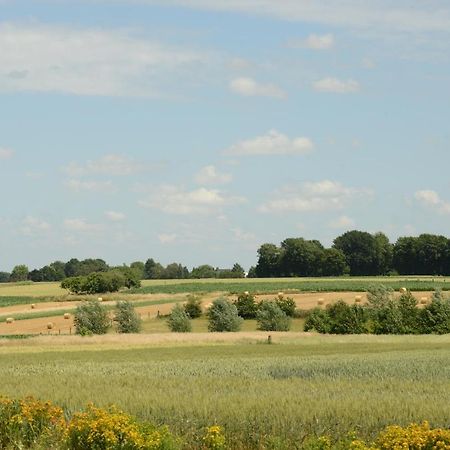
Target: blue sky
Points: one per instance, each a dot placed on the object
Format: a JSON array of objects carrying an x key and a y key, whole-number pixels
[{"x": 196, "y": 130}]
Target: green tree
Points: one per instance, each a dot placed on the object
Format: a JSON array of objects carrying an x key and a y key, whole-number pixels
[
  {"x": 301, "y": 257},
  {"x": 139, "y": 268},
  {"x": 333, "y": 263},
  {"x": 19, "y": 273},
  {"x": 179, "y": 321},
  {"x": 269, "y": 260},
  {"x": 246, "y": 305},
  {"x": 91, "y": 317},
  {"x": 126, "y": 318},
  {"x": 203, "y": 271},
  {"x": 193, "y": 307},
  {"x": 238, "y": 271},
  {"x": 223, "y": 316},
  {"x": 271, "y": 317}
]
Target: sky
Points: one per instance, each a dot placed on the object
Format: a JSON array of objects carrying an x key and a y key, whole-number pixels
[{"x": 196, "y": 130}]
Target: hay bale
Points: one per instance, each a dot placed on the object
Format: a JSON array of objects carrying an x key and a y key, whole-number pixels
[
  {"x": 358, "y": 299},
  {"x": 33, "y": 306},
  {"x": 246, "y": 293},
  {"x": 424, "y": 300},
  {"x": 321, "y": 302},
  {"x": 280, "y": 295},
  {"x": 66, "y": 316},
  {"x": 50, "y": 326},
  {"x": 403, "y": 290},
  {"x": 9, "y": 320},
  {"x": 100, "y": 299}
]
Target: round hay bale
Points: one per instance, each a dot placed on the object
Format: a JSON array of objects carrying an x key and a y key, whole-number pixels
[
  {"x": 33, "y": 306},
  {"x": 246, "y": 293},
  {"x": 358, "y": 299},
  {"x": 403, "y": 290},
  {"x": 280, "y": 295},
  {"x": 9, "y": 320},
  {"x": 424, "y": 300},
  {"x": 100, "y": 299},
  {"x": 50, "y": 326},
  {"x": 66, "y": 316},
  {"x": 321, "y": 302}
]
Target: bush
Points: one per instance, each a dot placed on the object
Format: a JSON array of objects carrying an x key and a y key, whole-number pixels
[
  {"x": 318, "y": 320},
  {"x": 286, "y": 304},
  {"x": 179, "y": 321},
  {"x": 271, "y": 317},
  {"x": 345, "y": 319},
  {"x": 435, "y": 317},
  {"x": 246, "y": 305},
  {"x": 193, "y": 307},
  {"x": 91, "y": 318},
  {"x": 101, "y": 282},
  {"x": 126, "y": 318},
  {"x": 379, "y": 295},
  {"x": 223, "y": 316}
]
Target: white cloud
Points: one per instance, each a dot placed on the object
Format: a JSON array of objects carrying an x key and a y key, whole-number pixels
[
  {"x": 335, "y": 85},
  {"x": 175, "y": 200},
  {"x": 432, "y": 199},
  {"x": 167, "y": 238},
  {"x": 86, "y": 61},
  {"x": 81, "y": 226},
  {"x": 240, "y": 235},
  {"x": 6, "y": 153},
  {"x": 248, "y": 87},
  {"x": 273, "y": 143},
  {"x": 115, "y": 216},
  {"x": 90, "y": 186},
  {"x": 342, "y": 222},
  {"x": 111, "y": 165},
  {"x": 312, "y": 197},
  {"x": 32, "y": 226},
  {"x": 402, "y": 15},
  {"x": 314, "y": 42},
  {"x": 210, "y": 175}
]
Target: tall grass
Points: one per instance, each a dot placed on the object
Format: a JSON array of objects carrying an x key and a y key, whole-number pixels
[{"x": 287, "y": 391}]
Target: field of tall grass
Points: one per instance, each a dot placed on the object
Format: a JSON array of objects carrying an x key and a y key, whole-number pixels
[{"x": 275, "y": 394}]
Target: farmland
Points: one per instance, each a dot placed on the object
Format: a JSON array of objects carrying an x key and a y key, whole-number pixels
[
  {"x": 265, "y": 396},
  {"x": 301, "y": 385}
]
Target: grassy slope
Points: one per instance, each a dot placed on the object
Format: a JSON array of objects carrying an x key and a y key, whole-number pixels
[{"x": 310, "y": 385}]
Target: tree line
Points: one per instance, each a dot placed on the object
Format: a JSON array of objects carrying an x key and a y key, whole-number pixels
[
  {"x": 74, "y": 268},
  {"x": 355, "y": 253}
]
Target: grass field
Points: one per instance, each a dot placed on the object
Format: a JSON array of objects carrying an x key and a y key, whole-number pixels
[
  {"x": 42, "y": 291},
  {"x": 299, "y": 386}
]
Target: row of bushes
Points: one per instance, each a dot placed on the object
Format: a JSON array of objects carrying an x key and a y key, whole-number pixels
[
  {"x": 102, "y": 282},
  {"x": 37, "y": 425},
  {"x": 91, "y": 317},
  {"x": 271, "y": 315},
  {"x": 32, "y": 424},
  {"x": 383, "y": 314}
]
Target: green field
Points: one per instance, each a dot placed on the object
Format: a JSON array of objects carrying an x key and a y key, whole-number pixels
[
  {"x": 260, "y": 393},
  {"x": 36, "y": 292}
]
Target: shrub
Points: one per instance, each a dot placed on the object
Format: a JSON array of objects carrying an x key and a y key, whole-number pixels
[
  {"x": 271, "y": 317},
  {"x": 286, "y": 304},
  {"x": 223, "y": 316},
  {"x": 73, "y": 284},
  {"x": 246, "y": 305},
  {"x": 126, "y": 318},
  {"x": 435, "y": 317},
  {"x": 214, "y": 438},
  {"x": 179, "y": 321},
  {"x": 112, "y": 429},
  {"x": 318, "y": 320},
  {"x": 345, "y": 319},
  {"x": 193, "y": 307},
  {"x": 379, "y": 295},
  {"x": 91, "y": 318}
]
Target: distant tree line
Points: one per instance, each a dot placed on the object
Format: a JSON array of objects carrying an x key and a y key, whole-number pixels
[
  {"x": 152, "y": 270},
  {"x": 355, "y": 253}
]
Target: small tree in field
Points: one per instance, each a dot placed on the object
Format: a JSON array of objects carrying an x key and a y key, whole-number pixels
[
  {"x": 193, "y": 307},
  {"x": 126, "y": 318},
  {"x": 179, "y": 321},
  {"x": 271, "y": 317},
  {"x": 246, "y": 305},
  {"x": 223, "y": 316},
  {"x": 91, "y": 318}
]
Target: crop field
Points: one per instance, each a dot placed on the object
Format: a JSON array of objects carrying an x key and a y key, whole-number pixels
[{"x": 274, "y": 395}]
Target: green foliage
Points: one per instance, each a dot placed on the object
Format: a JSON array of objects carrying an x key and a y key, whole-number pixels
[
  {"x": 102, "y": 282},
  {"x": 179, "y": 321},
  {"x": 435, "y": 317},
  {"x": 126, "y": 318},
  {"x": 246, "y": 305},
  {"x": 286, "y": 304},
  {"x": 91, "y": 317},
  {"x": 203, "y": 271},
  {"x": 19, "y": 273},
  {"x": 318, "y": 320},
  {"x": 193, "y": 307},
  {"x": 270, "y": 317},
  {"x": 223, "y": 316},
  {"x": 345, "y": 319},
  {"x": 379, "y": 295}
]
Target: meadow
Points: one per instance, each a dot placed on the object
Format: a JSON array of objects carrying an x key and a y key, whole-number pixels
[{"x": 265, "y": 396}]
